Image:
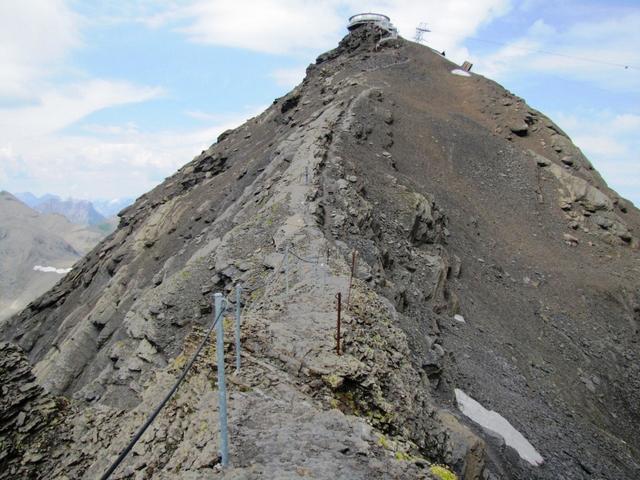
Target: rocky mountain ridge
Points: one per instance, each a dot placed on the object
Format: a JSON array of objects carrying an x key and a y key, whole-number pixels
[{"x": 491, "y": 259}]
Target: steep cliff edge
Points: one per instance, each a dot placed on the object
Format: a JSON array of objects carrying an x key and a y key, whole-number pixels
[{"x": 492, "y": 259}]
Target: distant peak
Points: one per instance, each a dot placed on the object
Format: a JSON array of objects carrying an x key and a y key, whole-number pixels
[{"x": 6, "y": 195}]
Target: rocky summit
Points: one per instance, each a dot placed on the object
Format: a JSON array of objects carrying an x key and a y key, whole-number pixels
[{"x": 490, "y": 330}]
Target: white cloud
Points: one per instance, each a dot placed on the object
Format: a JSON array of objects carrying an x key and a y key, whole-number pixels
[
  {"x": 272, "y": 26},
  {"x": 38, "y": 101},
  {"x": 110, "y": 162},
  {"x": 590, "y": 51},
  {"x": 292, "y": 26},
  {"x": 61, "y": 106},
  {"x": 34, "y": 36},
  {"x": 288, "y": 77},
  {"x": 626, "y": 122}
]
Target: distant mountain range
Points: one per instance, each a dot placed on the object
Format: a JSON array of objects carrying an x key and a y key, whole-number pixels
[
  {"x": 78, "y": 211},
  {"x": 36, "y": 249},
  {"x": 109, "y": 208}
]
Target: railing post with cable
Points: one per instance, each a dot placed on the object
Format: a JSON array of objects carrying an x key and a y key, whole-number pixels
[
  {"x": 339, "y": 308},
  {"x": 123, "y": 454},
  {"x": 222, "y": 387},
  {"x": 238, "y": 296}
]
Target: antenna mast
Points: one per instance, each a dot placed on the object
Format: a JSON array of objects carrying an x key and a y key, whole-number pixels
[{"x": 420, "y": 31}]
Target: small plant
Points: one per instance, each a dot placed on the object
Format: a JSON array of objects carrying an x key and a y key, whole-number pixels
[
  {"x": 442, "y": 472},
  {"x": 180, "y": 361},
  {"x": 333, "y": 381}
]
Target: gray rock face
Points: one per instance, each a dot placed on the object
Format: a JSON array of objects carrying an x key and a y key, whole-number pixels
[
  {"x": 27, "y": 415},
  {"x": 448, "y": 214}
]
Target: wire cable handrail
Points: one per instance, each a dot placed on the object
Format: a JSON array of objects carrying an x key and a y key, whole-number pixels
[
  {"x": 240, "y": 311},
  {"x": 155, "y": 413}
]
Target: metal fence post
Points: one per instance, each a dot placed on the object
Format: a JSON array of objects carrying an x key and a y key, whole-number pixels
[
  {"x": 339, "y": 309},
  {"x": 238, "y": 296},
  {"x": 222, "y": 387}
]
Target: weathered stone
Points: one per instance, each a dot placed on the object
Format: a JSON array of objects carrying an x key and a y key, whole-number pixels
[
  {"x": 602, "y": 221},
  {"x": 540, "y": 160},
  {"x": 467, "y": 449},
  {"x": 459, "y": 318},
  {"x": 146, "y": 351},
  {"x": 570, "y": 239},
  {"x": 579, "y": 190},
  {"x": 519, "y": 128}
]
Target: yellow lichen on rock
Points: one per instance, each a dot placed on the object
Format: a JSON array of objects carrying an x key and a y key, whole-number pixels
[{"x": 443, "y": 473}]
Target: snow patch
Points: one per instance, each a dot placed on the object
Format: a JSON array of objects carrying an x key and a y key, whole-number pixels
[
  {"x": 61, "y": 271},
  {"x": 462, "y": 73},
  {"x": 459, "y": 318},
  {"x": 496, "y": 423}
]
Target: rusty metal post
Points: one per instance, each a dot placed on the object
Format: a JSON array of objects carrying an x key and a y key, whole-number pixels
[{"x": 339, "y": 298}]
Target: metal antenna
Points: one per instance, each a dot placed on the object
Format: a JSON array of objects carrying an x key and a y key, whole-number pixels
[{"x": 420, "y": 31}]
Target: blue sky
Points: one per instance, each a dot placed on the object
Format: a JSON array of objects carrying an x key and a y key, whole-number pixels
[{"x": 105, "y": 99}]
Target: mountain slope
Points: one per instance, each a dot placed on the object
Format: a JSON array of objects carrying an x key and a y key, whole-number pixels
[
  {"x": 492, "y": 259},
  {"x": 29, "y": 239}
]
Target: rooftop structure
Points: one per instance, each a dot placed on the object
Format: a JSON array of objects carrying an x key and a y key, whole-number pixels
[
  {"x": 372, "y": 18},
  {"x": 420, "y": 31}
]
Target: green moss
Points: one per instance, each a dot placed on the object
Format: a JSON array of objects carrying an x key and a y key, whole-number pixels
[
  {"x": 179, "y": 362},
  {"x": 383, "y": 442},
  {"x": 442, "y": 472},
  {"x": 402, "y": 456},
  {"x": 256, "y": 294},
  {"x": 333, "y": 381}
]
